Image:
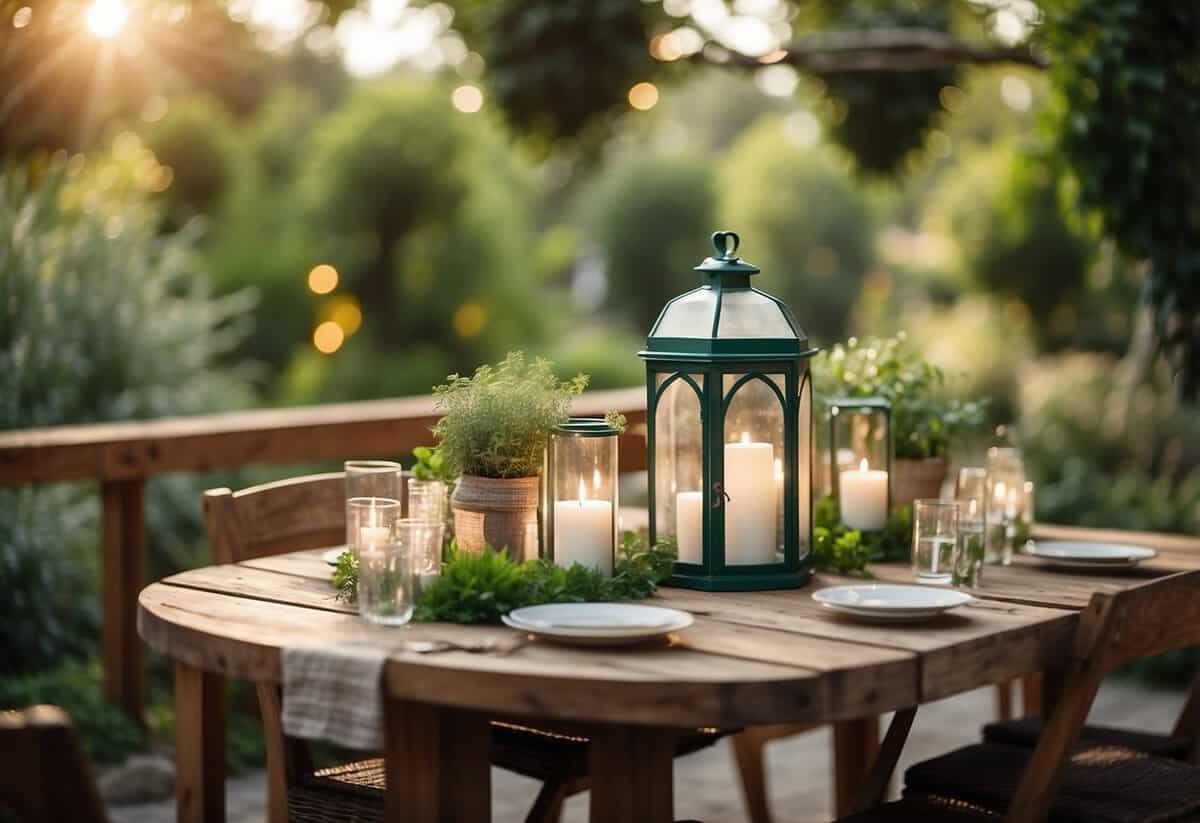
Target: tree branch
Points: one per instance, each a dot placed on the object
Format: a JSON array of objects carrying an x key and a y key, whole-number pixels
[{"x": 884, "y": 50}]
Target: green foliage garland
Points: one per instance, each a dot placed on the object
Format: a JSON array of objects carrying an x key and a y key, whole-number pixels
[
  {"x": 479, "y": 588},
  {"x": 842, "y": 550}
]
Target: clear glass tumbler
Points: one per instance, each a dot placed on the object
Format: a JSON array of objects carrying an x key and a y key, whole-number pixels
[
  {"x": 935, "y": 537},
  {"x": 383, "y": 542}
]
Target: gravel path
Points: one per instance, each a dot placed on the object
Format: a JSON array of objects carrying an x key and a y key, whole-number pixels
[{"x": 799, "y": 768}]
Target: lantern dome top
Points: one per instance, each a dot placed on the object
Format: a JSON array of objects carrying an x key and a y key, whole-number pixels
[{"x": 726, "y": 318}]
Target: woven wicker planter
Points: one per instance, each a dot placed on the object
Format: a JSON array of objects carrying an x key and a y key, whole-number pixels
[
  {"x": 915, "y": 479},
  {"x": 497, "y": 512}
]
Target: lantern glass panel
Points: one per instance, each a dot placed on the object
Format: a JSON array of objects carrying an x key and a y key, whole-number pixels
[
  {"x": 806, "y": 457},
  {"x": 679, "y": 464},
  {"x": 753, "y": 481},
  {"x": 689, "y": 315},
  {"x": 750, "y": 314}
]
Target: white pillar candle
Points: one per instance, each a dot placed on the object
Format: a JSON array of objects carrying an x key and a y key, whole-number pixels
[
  {"x": 689, "y": 526},
  {"x": 750, "y": 508},
  {"x": 863, "y": 497},
  {"x": 583, "y": 533}
]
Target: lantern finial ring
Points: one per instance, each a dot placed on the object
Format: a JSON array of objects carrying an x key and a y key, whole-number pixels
[{"x": 726, "y": 243}]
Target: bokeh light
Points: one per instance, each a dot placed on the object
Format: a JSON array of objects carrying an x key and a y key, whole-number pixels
[
  {"x": 106, "y": 18},
  {"x": 643, "y": 96},
  {"x": 346, "y": 312},
  {"x": 328, "y": 337},
  {"x": 21, "y": 17},
  {"x": 469, "y": 320},
  {"x": 467, "y": 98},
  {"x": 323, "y": 279}
]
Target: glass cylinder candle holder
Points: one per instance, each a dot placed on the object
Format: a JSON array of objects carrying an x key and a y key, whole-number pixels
[
  {"x": 1005, "y": 501},
  {"x": 382, "y": 479},
  {"x": 860, "y": 460},
  {"x": 580, "y": 494},
  {"x": 383, "y": 544}
]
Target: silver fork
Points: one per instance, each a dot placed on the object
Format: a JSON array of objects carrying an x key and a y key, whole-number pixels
[{"x": 492, "y": 646}]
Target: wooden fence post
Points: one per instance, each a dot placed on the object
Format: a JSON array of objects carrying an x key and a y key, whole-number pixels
[{"x": 124, "y": 545}]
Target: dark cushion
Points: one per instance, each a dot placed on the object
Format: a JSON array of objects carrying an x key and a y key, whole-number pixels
[
  {"x": 1024, "y": 732},
  {"x": 923, "y": 810},
  {"x": 1101, "y": 784}
]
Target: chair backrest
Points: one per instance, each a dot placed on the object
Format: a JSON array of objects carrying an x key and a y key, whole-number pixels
[
  {"x": 45, "y": 777},
  {"x": 289, "y": 515},
  {"x": 1114, "y": 629}
]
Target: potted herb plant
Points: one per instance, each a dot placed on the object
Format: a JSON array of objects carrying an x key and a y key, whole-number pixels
[
  {"x": 493, "y": 436},
  {"x": 926, "y": 422}
]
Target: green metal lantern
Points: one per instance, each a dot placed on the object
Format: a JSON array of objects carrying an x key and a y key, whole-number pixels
[{"x": 730, "y": 431}]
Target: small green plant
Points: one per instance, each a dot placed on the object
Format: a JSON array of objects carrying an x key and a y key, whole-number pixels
[
  {"x": 431, "y": 465},
  {"x": 480, "y": 587},
  {"x": 496, "y": 422},
  {"x": 925, "y": 421},
  {"x": 842, "y": 550}
]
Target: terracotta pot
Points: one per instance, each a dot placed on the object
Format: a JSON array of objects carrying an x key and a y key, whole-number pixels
[
  {"x": 497, "y": 512},
  {"x": 915, "y": 479}
]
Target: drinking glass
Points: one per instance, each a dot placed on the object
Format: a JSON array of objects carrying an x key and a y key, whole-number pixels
[
  {"x": 383, "y": 543},
  {"x": 935, "y": 536},
  {"x": 971, "y": 494},
  {"x": 427, "y": 505},
  {"x": 372, "y": 478}
]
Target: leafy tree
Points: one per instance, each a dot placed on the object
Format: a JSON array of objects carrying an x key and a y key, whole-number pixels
[
  {"x": 802, "y": 221},
  {"x": 1127, "y": 120},
  {"x": 652, "y": 217}
]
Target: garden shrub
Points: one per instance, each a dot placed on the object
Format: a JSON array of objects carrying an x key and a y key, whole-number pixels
[{"x": 101, "y": 318}]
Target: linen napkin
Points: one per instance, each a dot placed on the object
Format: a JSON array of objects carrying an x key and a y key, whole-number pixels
[{"x": 335, "y": 694}]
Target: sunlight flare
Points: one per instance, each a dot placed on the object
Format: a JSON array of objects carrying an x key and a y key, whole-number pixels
[{"x": 106, "y": 18}]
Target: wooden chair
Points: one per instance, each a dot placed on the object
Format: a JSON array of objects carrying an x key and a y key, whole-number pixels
[
  {"x": 1059, "y": 778},
  {"x": 45, "y": 777},
  {"x": 310, "y": 512}
]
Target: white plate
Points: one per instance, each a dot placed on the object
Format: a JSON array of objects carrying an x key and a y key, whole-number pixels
[
  {"x": 885, "y": 601},
  {"x": 331, "y": 556},
  {"x": 597, "y": 623},
  {"x": 1074, "y": 555}
]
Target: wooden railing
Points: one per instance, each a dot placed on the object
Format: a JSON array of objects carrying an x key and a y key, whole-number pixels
[{"x": 121, "y": 456}]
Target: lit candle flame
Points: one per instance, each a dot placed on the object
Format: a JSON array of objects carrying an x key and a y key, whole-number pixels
[
  {"x": 596, "y": 479},
  {"x": 745, "y": 437},
  {"x": 778, "y": 469},
  {"x": 582, "y": 492},
  {"x": 862, "y": 467}
]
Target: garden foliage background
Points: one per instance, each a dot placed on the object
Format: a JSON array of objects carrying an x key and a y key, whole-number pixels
[{"x": 293, "y": 233}]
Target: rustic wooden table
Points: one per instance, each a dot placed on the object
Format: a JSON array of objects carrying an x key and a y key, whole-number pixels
[{"x": 750, "y": 658}]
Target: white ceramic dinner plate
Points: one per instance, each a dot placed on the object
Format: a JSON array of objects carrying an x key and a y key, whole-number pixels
[
  {"x": 1080, "y": 555},
  {"x": 890, "y": 602},
  {"x": 597, "y": 623},
  {"x": 331, "y": 556}
]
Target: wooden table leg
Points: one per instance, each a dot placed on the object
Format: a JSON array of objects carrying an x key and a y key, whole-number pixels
[
  {"x": 199, "y": 746},
  {"x": 1031, "y": 695},
  {"x": 124, "y": 544},
  {"x": 632, "y": 774},
  {"x": 855, "y": 743},
  {"x": 438, "y": 764}
]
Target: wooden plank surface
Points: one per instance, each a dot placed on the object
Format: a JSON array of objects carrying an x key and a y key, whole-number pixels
[
  {"x": 663, "y": 684},
  {"x": 326, "y": 432}
]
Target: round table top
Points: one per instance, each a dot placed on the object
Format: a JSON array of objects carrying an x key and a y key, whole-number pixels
[{"x": 749, "y": 658}]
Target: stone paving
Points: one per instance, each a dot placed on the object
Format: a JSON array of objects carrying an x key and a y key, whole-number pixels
[{"x": 799, "y": 768}]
